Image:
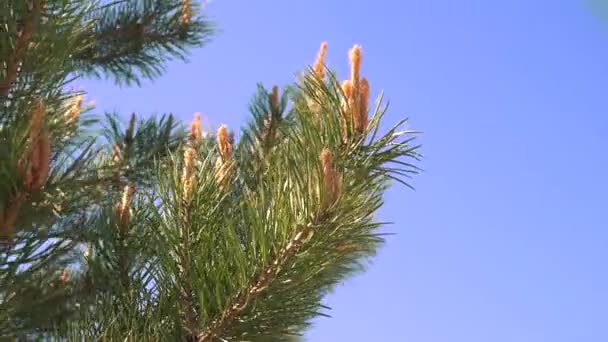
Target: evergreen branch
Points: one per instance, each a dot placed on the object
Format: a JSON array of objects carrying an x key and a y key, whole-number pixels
[
  {"x": 138, "y": 37},
  {"x": 287, "y": 288}
]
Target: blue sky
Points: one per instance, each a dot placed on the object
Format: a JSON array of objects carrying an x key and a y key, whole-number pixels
[{"x": 506, "y": 236}]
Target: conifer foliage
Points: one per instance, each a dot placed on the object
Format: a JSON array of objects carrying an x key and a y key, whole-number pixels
[{"x": 149, "y": 230}]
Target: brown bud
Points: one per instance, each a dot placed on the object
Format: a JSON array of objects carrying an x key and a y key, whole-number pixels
[
  {"x": 186, "y": 16},
  {"x": 195, "y": 129},
  {"x": 73, "y": 113},
  {"x": 35, "y": 163},
  {"x": 354, "y": 56},
  {"x": 188, "y": 178},
  {"x": 332, "y": 180},
  {"x": 347, "y": 89},
  {"x": 39, "y": 163},
  {"x": 361, "y": 116},
  {"x": 123, "y": 209},
  {"x": 223, "y": 173},
  {"x": 274, "y": 99},
  {"x": 223, "y": 142},
  {"x": 38, "y": 117},
  {"x": 319, "y": 66},
  {"x": 224, "y": 165},
  {"x": 34, "y": 168}
]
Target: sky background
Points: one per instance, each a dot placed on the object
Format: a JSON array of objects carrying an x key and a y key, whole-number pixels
[{"x": 506, "y": 236}]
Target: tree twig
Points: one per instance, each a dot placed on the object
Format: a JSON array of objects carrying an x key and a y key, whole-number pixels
[
  {"x": 258, "y": 285},
  {"x": 23, "y": 41}
]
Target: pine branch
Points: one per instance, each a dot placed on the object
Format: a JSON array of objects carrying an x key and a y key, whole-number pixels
[
  {"x": 55, "y": 183},
  {"x": 287, "y": 288},
  {"x": 136, "y": 38},
  {"x": 233, "y": 243}
]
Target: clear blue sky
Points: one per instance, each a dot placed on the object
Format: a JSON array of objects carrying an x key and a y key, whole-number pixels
[{"x": 506, "y": 236}]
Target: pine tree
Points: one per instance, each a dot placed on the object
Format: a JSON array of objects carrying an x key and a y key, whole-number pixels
[{"x": 152, "y": 230}]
